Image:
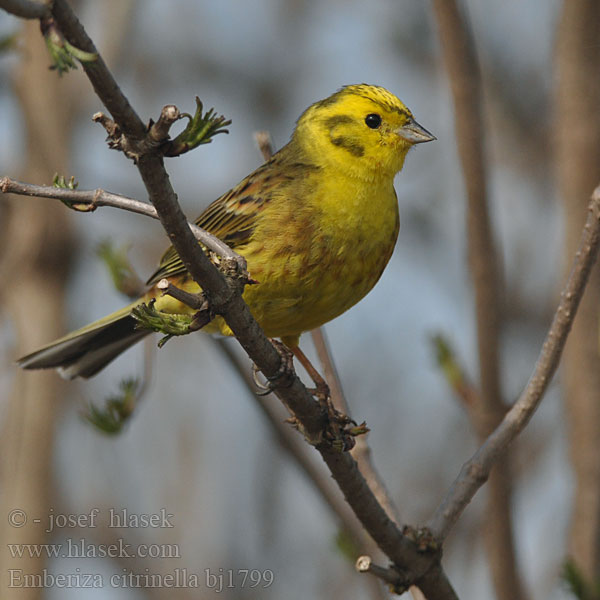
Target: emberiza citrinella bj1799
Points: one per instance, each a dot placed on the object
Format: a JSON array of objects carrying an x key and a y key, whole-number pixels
[{"x": 317, "y": 224}]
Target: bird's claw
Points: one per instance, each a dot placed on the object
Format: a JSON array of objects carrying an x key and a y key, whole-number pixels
[
  {"x": 261, "y": 388},
  {"x": 283, "y": 376}
]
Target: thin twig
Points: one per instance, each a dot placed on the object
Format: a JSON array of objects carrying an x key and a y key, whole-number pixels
[
  {"x": 330, "y": 373},
  {"x": 196, "y": 301},
  {"x": 159, "y": 131},
  {"x": 364, "y": 564},
  {"x": 475, "y": 471},
  {"x": 575, "y": 127},
  {"x": 92, "y": 199}
]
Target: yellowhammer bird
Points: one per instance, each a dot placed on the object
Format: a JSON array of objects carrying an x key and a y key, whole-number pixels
[{"x": 317, "y": 224}]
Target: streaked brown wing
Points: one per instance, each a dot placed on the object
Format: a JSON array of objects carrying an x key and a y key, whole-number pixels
[{"x": 232, "y": 217}]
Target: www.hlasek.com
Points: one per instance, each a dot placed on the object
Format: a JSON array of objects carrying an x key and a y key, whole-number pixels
[
  {"x": 215, "y": 580},
  {"x": 81, "y": 548}
]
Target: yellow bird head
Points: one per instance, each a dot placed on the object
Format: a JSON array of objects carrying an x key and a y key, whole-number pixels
[{"x": 362, "y": 129}]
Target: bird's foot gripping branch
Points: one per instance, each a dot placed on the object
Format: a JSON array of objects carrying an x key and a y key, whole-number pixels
[{"x": 339, "y": 430}]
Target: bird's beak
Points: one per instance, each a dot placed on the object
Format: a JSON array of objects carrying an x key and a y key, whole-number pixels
[{"x": 414, "y": 133}]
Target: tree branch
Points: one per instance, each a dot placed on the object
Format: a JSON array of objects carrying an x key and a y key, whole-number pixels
[
  {"x": 26, "y": 9},
  {"x": 89, "y": 200},
  {"x": 458, "y": 51},
  {"x": 475, "y": 472}
]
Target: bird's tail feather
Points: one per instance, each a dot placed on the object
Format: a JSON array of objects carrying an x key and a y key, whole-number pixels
[{"x": 84, "y": 352}]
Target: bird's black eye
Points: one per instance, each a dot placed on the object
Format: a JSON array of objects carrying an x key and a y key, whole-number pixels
[{"x": 373, "y": 120}]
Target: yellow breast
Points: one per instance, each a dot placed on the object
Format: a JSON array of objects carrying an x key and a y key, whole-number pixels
[{"x": 314, "y": 263}]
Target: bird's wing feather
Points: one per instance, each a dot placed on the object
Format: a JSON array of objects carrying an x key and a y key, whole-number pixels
[{"x": 232, "y": 217}]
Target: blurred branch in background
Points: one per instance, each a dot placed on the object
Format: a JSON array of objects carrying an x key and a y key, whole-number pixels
[
  {"x": 35, "y": 259},
  {"x": 362, "y": 451},
  {"x": 460, "y": 57},
  {"x": 577, "y": 130}
]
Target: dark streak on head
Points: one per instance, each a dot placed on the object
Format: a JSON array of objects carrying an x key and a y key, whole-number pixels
[
  {"x": 349, "y": 144},
  {"x": 336, "y": 120},
  {"x": 359, "y": 90},
  {"x": 343, "y": 141}
]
